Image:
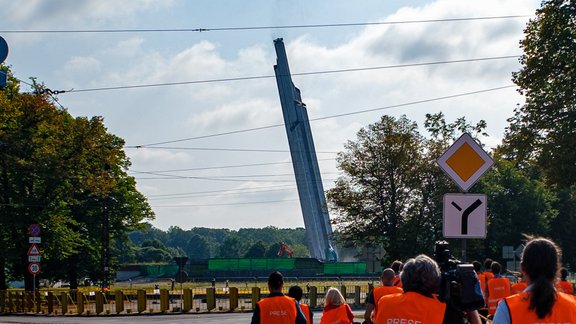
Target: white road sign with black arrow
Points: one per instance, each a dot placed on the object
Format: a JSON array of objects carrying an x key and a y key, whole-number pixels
[{"x": 464, "y": 216}]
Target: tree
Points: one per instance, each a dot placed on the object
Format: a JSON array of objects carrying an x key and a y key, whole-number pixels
[
  {"x": 68, "y": 175},
  {"x": 257, "y": 250},
  {"x": 377, "y": 194},
  {"x": 391, "y": 192},
  {"x": 231, "y": 247},
  {"x": 197, "y": 247},
  {"x": 541, "y": 136},
  {"x": 542, "y": 133}
]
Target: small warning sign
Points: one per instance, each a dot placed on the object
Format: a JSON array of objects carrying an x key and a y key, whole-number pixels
[{"x": 33, "y": 250}]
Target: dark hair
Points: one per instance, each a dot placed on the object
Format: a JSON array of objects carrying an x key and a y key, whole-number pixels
[
  {"x": 477, "y": 266},
  {"x": 295, "y": 292},
  {"x": 387, "y": 276},
  {"x": 540, "y": 262},
  {"x": 563, "y": 274},
  {"x": 275, "y": 280},
  {"x": 421, "y": 275},
  {"x": 496, "y": 268},
  {"x": 487, "y": 264},
  {"x": 396, "y": 266}
]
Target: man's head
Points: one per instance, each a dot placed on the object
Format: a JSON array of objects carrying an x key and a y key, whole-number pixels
[
  {"x": 487, "y": 264},
  {"x": 295, "y": 292},
  {"x": 496, "y": 268},
  {"x": 388, "y": 277},
  {"x": 477, "y": 266},
  {"x": 275, "y": 281},
  {"x": 421, "y": 274},
  {"x": 396, "y": 266}
]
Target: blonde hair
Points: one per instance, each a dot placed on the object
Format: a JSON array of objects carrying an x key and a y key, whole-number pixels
[{"x": 334, "y": 297}]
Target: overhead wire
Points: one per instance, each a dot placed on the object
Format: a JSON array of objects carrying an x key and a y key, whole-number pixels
[
  {"x": 200, "y": 30},
  {"x": 327, "y": 117},
  {"x": 246, "y": 78}
]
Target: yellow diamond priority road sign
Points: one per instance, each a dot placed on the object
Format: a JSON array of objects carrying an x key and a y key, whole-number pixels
[{"x": 465, "y": 162}]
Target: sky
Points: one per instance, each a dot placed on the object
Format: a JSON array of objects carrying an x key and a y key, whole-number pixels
[{"x": 187, "y": 157}]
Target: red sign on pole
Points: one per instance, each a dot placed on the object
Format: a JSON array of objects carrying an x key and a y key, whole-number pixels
[
  {"x": 33, "y": 250},
  {"x": 34, "y": 268},
  {"x": 34, "y": 230}
]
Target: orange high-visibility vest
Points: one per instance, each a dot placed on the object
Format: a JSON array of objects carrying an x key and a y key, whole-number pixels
[
  {"x": 337, "y": 315},
  {"x": 563, "y": 311},
  {"x": 489, "y": 275},
  {"x": 397, "y": 282},
  {"x": 482, "y": 279},
  {"x": 565, "y": 287},
  {"x": 379, "y": 292},
  {"x": 410, "y": 307},
  {"x": 518, "y": 287},
  {"x": 277, "y": 310},
  {"x": 498, "y": 288},
  {"x": 306, "y": 310}
]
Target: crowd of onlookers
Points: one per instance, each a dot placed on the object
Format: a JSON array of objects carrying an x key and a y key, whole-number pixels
[{"x": 409, "y": 294}]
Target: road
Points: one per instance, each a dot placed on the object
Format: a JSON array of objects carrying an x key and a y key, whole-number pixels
[
  {"x": 226, "y": 318},
  {"x": 140, "y": 319}
]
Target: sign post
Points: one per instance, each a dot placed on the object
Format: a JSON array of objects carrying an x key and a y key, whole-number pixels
[
  {"x": 465, "y": 214},
  {"x": 34, "y": 254}
]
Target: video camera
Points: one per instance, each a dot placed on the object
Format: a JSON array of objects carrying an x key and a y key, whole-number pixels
[{"x": 459, "y": 286}]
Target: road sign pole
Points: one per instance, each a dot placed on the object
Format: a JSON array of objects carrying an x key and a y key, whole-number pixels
[{"x": 463, "y": 250}]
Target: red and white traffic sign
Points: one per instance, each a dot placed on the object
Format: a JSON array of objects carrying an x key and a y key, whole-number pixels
[
  {"x": 34, "y": 268},
  {"x": 34, "y": 230},
  {"x": 33, "y": 250}
]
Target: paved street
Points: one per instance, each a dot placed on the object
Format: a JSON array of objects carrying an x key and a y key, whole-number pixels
[
  {"x": 233, "y": 318},
  {"x": 141, "y": 319}
]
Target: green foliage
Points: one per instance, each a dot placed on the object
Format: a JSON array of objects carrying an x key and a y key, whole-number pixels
[
  {"x": 542, "y": 133},
  {"x": 66, "y": 174},
  {"x": 391, "y": 192},
  {"x": 202, "y": 243}
]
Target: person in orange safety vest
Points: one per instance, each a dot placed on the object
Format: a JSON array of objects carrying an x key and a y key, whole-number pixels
[
  {"x": 418, "y": 304},
  {"x": 498, "y": 288},
  {"x": 387, "y": 288},
  {"x": 519, "y": 286},
  {"x": 540, "y": 302},
  {"x": 296, "y": 293},
  {"x": 336, "y": 311},
  {"x": 563, "y": 285},
  {"x": 277, "y": 308}
]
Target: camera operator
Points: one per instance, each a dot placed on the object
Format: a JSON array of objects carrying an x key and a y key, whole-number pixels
[{"x": 420, "y": 278}]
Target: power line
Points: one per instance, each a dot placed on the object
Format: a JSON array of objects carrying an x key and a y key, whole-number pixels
[
  {"x": 151, "y": 85},
  {"x": 231, "y": 191},
  {"x": 220, "y": 149},
  {"x": 330, "y": 116},
  {"x": 223, "y": 167},
  {"x": 227, "y": 204},
  {"x": 200, "y": 30}
]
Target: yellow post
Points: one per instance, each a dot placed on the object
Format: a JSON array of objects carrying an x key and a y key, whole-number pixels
[
  {"x": 80, "y": 303},
  {"x": 313, "y": 296},
  {"x": 99, "y": 302},
  {"x": 29, "y": 301},
  {"x": 210, "y": 298},
  {"x": 119, "y": 300},
  {"x": 38, "y": 301},
  {"x": 187, "y": 300},
  {"x": 3, "y": 301},
  {"x": 164, "y": 300},
  {"x": 64, "y": 302},
  {"x": 357, "y": 295},
  {"x": 255, "y": 296},
  {"x": 141, "y": 298},
  {"x": 233, "y": 296}
]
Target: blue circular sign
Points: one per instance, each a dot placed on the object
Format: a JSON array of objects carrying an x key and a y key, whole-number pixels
[{"x": 3, "y": 49}]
